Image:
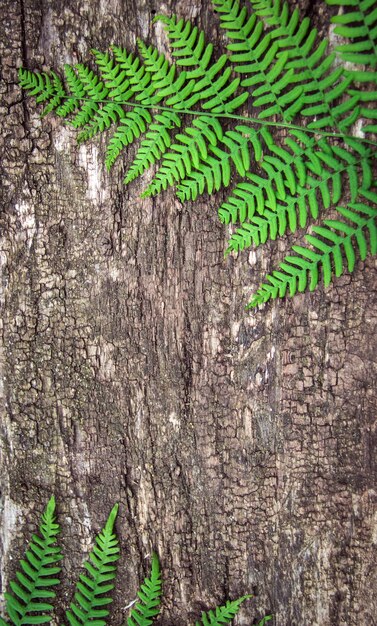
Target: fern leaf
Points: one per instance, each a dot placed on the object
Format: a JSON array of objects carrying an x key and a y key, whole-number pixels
[
  {"x": 91, "y": 597},
  {"x": 213, "y": 83},
  {"x": 114, "y": 77},
  {"x": 155, "y": 144},
  {"x": 170, "y": 85},
  {"x": 94, "y": 91},
  {"x": 178, "y": 162},
  {"x": 107, "y": 115},
  {"x": 276, "y": 215},
  {"x": 254, "y": 53},
  {"x": 45, "y": 87},
  {"x": 149, "y": 594},
  {"x": 135, "y": 122},
  {"x": 28, "y": 600},
  {"x": 333, "y": 248},
  {"x": 77, "y": 92},
  {"x": 222, "y": 614},
  {"x": 279, "y": 166},
  {"x": 359, "y": 24},
  {"x": 308, "y": 58},
  {"x": 215, "y": 172}
]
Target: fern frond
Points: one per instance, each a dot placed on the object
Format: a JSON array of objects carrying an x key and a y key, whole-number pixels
[
  {"x": 359, "y": 24},
  {"x": 114, "y": 77},
  {"x": 91, "y": 597},
  {"x": 77, "y": 92},
  {"x": 329, "y": 165},
  {"x": 283, "y": 168},
  {"x": 171, "y": 85},
  {"x": 27, "y": 602},
  {"x": 177, "y": 92},
  {"x": 215, "y": 172},
  {"x": 109, "y": 114},
  {"x": 148, "y": 92},
  {"x": 255, "y": 53},
  {"x": 133, "y": 125},
  {"x": 291, "y": 69},
  {"x": 44, "y": 87},
  {"x": 155, "y": 144},
  {"x": 222, "y": 614},
  {"x": 149, "y": 594},
  {"x": 213, "y": 83},
  {"x": 185, "y": 155},
  {"x": 333, "y": 248},
  {"x": 94, "y": 91}
]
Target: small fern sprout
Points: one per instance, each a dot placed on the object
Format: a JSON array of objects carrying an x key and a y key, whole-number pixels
[
  {"x": 28, "y": 602},
  {"x": 226, "y": 613},
  {"x": 92, "y": 590},
  {"x": 149, "y": 594}
]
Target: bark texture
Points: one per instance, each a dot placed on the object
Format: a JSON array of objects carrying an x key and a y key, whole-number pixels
[{"x": 241, "y": 446}]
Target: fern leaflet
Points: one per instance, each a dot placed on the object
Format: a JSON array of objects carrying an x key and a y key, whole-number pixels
[
  {"x": 360, "y": 25},
  {"x": 90, "y": 599},
  {"x": 222, "y": 614},
  {"x": 149, "y": 594},
  {"x": 28, "y": 600},
  {"x": 330, "y": 242}
]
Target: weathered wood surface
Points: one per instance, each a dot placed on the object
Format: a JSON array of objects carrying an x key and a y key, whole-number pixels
[{"x": 241, "y": 446}]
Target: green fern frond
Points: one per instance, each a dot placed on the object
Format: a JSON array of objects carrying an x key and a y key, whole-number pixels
[
  {"x": 110, "y": 113},
  {"x": 44, "y": 87},
  {"x": 320, "y": 87},
  {"x": 285, "y": 169},
  {"x": 333, "y": 248},
  {"x": 132, "y": 126},
  {"x": 94, "y": 92},
  {"x": 264, "y": 620},
  {"x": 148, "y": 92},
  {"x": 91, "y": 597},
  {"x": 290, "y": 67},
  {"x": 114, "y": 77},
  {"x": 185, "y": 155},
  {"x": 171, "y": 85},
  {"x": 27, "y": 602},
  {"x": 156, "y": 143},
  {"x": 213, "y": 86},
  {"x": 359, "y": 24},
  {"x": 215, "y": 172},
  {"x": 177, "y": 92},
  {"x": 222, "y": 614},
  {"x": 145, "y": 611},
  {"x": 76, "y": 91},
  {"x": 213, "y": 83},
  {"x": 330, "y": 165},
  {"x": 254, "y": 53}
]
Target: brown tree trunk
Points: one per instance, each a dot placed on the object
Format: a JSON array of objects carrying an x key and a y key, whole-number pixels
[{"x": 240, "y": 445}]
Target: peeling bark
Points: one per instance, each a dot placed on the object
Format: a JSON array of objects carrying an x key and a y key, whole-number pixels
[{"x": 239, "y": 445}]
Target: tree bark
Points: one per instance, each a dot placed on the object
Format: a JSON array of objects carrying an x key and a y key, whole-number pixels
[{"x": 240, "y": 445}]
